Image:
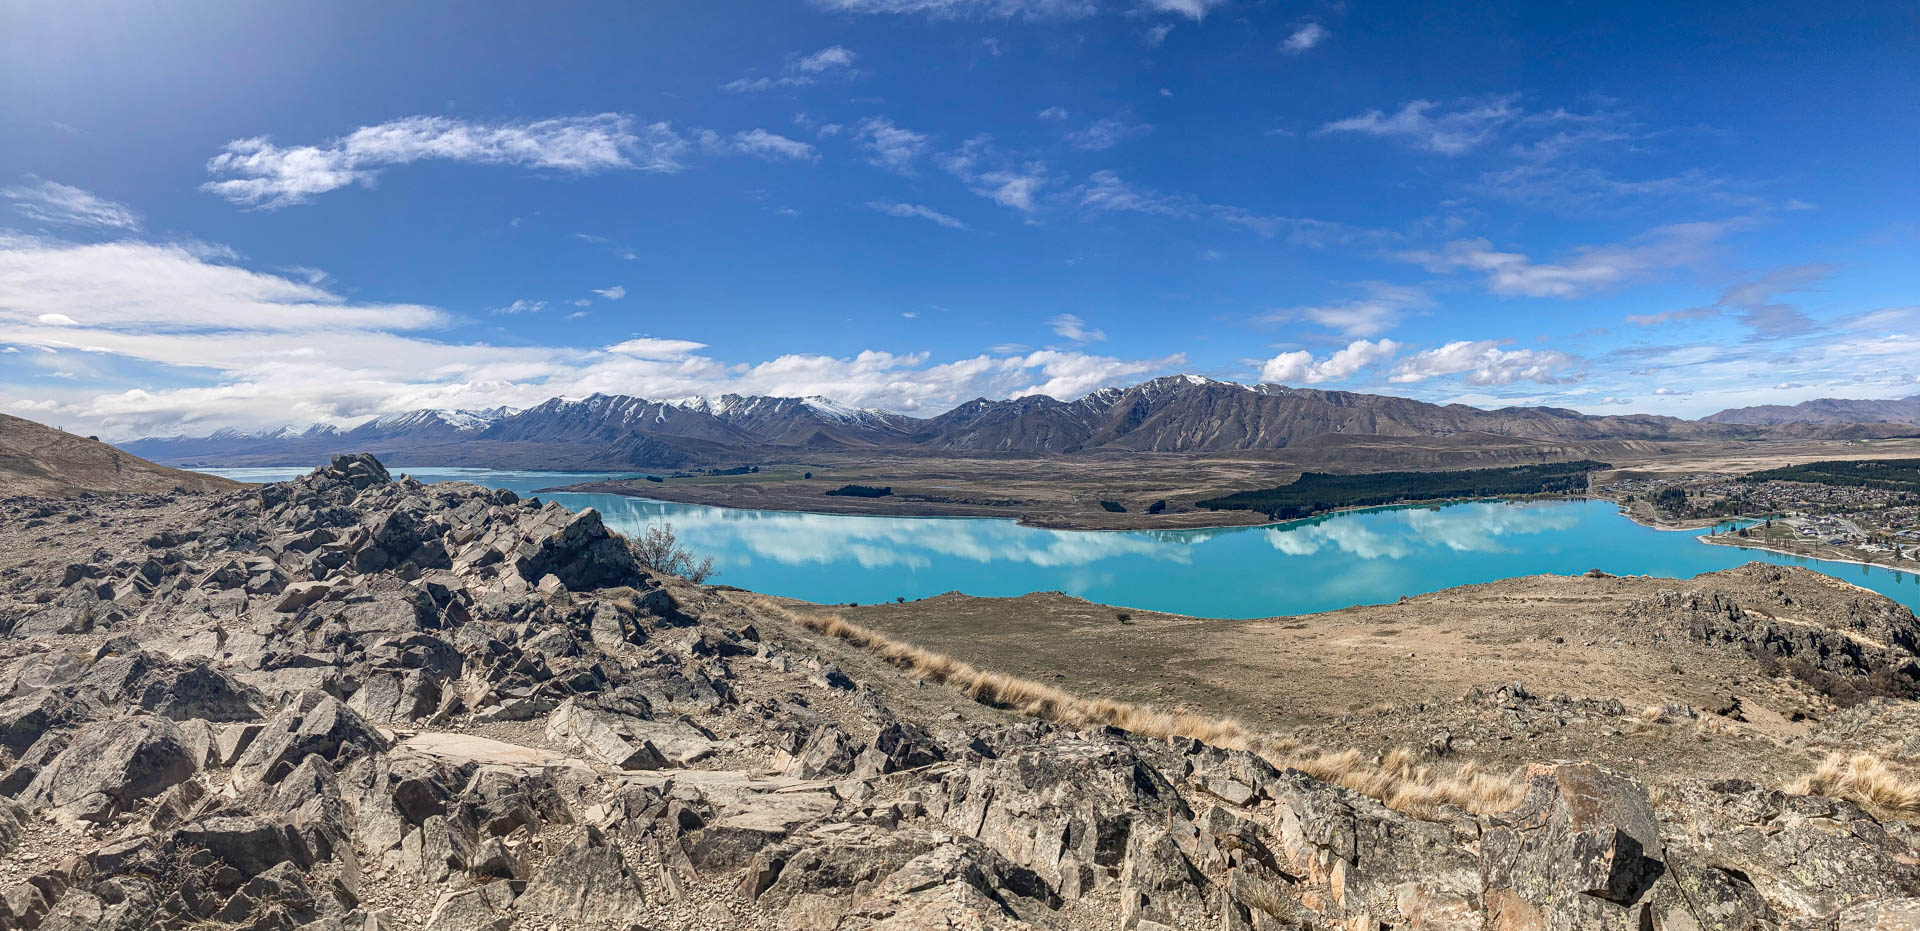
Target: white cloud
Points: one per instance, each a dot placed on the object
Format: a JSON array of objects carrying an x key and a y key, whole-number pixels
[
  {"x": 1447, "y": 132},
  {"x": 1195, "y": 10},
  {"x": 831, "y": 58},
  {"x": 1588, "y": 270},
  {"x": 916, "y": 210},
  {"x": 651, "y": 348},
  {"x": 522, "y": 306},
  {"x": 889, "y": 146},
  {"x": 1105, "y": 134},
  {"x": 53, "y": 202},
  {"x": 1014, "y": 189},
  {"x": 967, "y": 9},
  {"x": 1071, "y": 327},
  {"x": 1106, "y": 191},
  {"x": 1007, "y": 184},
  {"x": 261, "y": 174},
  {"x": 800, "y": 71},
  {"x": 1304, "y": 38},
  {"x": 1299, "y": 366},
  {"x": 1382, "y": 309},
  {"x": 1483, "y": 362},
  {"x": 216, "y": 345},
  {"x": 173, "y": 288},
  {"x": 612, "y": 294},
  {"x": 757, "y": 142},
  {"x": 1053, "y": 113}
]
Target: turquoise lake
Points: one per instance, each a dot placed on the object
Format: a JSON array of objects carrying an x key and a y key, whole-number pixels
[{"x": 1359, "y": 557}]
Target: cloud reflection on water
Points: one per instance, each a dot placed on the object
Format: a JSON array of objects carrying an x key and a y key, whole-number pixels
[{"x": 1475, "y": 527}]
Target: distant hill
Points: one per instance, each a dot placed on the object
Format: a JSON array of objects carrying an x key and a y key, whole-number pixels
[
  {"x": 1823, "y": 411},
  {"x": 40, "y": 461},
  {"x": 1181, "y": 413}
]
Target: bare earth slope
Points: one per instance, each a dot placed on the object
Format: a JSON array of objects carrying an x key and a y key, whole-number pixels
[
  {"x": 38, "y": 460},
  {"x": 349, "y": 702}
]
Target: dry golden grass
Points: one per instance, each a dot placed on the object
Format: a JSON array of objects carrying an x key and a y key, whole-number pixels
[
  {"x": 1865, "y": 781},
  {"x": 1396, "y": 780}
]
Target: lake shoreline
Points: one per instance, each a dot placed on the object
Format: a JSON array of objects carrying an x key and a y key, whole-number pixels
[{"x": 1723, "y": 541}]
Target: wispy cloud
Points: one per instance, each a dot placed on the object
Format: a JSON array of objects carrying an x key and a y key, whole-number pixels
[
  {"x": 612, "y": 294},
  {"x": 1754, "y": 304},
  {"x": 1454, "y": 130},
  {"x": 757, "y": 142},
  {"x": 66, "y": 205},
  {"x": 1379, "y": 311},
  {"x": 619, "y": 249},
  {"x": 1069, "y": 326},
  {"x": 1587, "y": 271},
  {"x": 521, "y": 306},
  {"x": 801, "y": 71},
  {"x": 1195, "y": 10},
  {"x": 894, "y": 209},
  {"x": 1304, "y": 38},
  {"x": 1105, "y": 134},
  {"x": 1107, "y": 192},
  {"x": 254, "y": 172},
  {"x": 891, "y": 147},
  {"x": 968, "y": 9}
]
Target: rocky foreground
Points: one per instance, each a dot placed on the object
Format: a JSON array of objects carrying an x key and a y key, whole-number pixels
[{"x": 348, "y": 702}]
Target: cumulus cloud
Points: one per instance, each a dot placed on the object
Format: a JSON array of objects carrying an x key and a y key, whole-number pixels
[
  {"x": 800, "y": 71},
  {"x": 1483, "y": 362},
  {"x": 1588, "y": 270},
  {"x": 1070, "y": 326},
  {"x": 905, "y": 210},
  {"x": 1304, "y": 38},
  {"x": 214, "y": 344},
  {"x": 521, "y": 306},
  {"x": 612, "y": 294},
  {"x": 254, "y": 172},
  {"x": 1299, "y": 366},
  {"x": 1380, "y": 310},
  {"x": 888, "y": 146},
  {"x": 1424, "y": 124},
  {"x": 66, "y": 205}
]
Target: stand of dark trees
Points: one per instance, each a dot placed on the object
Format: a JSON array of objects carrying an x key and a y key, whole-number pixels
[
  {"x": 862, "y": 491},
  {"x": 1888, "y": 474},
  {"x": 1314, "y": 492}
]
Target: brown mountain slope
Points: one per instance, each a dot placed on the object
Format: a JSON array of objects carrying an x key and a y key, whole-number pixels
[{"x": 38, "y": 460}]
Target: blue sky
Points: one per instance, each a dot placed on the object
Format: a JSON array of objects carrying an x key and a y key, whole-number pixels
[{"x": 249, "y": 214}]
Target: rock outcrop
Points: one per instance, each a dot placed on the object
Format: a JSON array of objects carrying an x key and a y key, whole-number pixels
[{"x": 351, "y": 702}]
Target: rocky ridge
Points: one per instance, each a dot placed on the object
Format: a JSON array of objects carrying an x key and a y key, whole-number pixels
[{"x": 349, "y": 702}]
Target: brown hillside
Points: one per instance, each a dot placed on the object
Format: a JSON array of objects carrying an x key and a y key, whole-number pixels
[{"x": 39, "y": 460}]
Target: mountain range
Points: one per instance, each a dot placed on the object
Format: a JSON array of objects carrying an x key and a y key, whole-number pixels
[
  {"x": 1825, "y": 411},
  {"x": 1180, "y": 413}
]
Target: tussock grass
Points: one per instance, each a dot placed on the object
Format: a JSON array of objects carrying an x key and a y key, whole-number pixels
[
  {"x": 1397, "y": 780},
  {"x": 1865, "y": 781}
]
